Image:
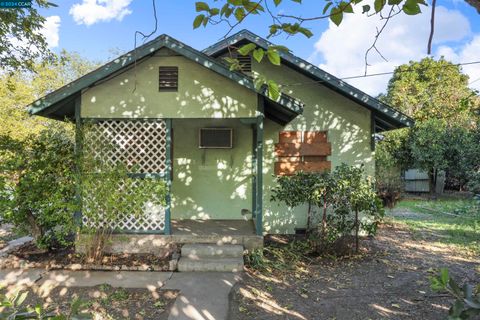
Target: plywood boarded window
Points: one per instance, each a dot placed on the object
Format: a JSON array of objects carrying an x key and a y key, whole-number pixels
[
  {"x": 302, "y": 151},
  {"x": 168, "y": 79}
]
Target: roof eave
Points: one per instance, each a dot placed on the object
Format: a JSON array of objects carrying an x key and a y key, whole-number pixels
[
  {"x": 319, "y": 75},
  {"x": 53, "y": 99}
]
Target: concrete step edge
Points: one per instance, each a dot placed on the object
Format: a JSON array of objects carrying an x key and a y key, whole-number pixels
[
  {"x": 208, "y": 251},
  {"x": 215, "y": 264}
]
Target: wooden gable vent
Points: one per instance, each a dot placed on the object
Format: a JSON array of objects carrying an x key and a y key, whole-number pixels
[
  {"x": 245, "y": 63},
  {"x": 302, "y": 151},
  {"x": 167, "y": 79}
]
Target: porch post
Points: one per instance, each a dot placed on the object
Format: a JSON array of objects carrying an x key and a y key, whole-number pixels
[
  {"x": 168, "y": 176},
  {"x": 259, "y": 166},
  {"x": 78, "y": 154},
  {"x": 254, "y": 169}
]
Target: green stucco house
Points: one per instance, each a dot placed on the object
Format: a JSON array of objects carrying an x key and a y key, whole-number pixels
[{"x": 218, "y": 141}]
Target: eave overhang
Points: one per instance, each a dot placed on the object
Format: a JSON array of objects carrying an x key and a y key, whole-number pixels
[
  {"x": 388, "y": 117},
  {"x": 59, "y": 104}
]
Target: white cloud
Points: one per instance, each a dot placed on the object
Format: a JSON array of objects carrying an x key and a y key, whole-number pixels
[
  {"x": 405, "y": 38},
  {"x": 92, "y": 11},
  {"x": 50, "y": 30},
  {"x": 469, "y": 52}
]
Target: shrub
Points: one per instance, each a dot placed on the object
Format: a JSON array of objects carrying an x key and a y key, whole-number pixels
[
  {"x": 37, "y": 185},
  {"x": 344, "y": 194},
  {"x": 353, "y": 195}
]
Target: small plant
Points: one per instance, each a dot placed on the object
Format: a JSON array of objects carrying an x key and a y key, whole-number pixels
[
  {"x": 119, "y": 294},
  {"x": 279, "y": 257},
  {"x": 467, "y": 298},
  {"x": 13, "y": 309}
]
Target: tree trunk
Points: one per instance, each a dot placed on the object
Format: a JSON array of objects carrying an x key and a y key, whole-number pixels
[
  {"x": 35, "y": 229},
  {"x": 324, "y": 218},
  {"x": 309, "y": 218},
  {"x": 357, "y": 227},
  {"x": 432, "y": 177}
]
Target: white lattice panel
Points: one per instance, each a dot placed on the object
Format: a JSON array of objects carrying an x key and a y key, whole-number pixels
[
  {"x": 140, "y": 145},
  {"x": 149, "y": 216}
]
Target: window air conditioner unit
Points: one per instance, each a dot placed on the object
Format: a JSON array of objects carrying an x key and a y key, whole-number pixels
[{"x": 216, "y": 138}]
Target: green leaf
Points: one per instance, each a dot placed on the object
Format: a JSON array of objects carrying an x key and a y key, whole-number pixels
[
  {"x": 394, "y": 2},
  {"x": 253, "y": 7},
  {"x": 21, "y": 298},
  {"x": 336, "y": 15},
  {"x": 306, "y": 32},
  {"x": 198, "y": 21},
  {"x": 201, "y": 6},
  {"x": 280, "y": 48},
  {"x": 411, "y": 8},
  {"x": 246, "y": 49},
  {"x": 277, "y": 2},
  {"x": 258, "y": 54},
  {"x": 239, "y": 14},
  {"x": 365, "y": 8},
  {"x": 444, "y": 276},
  {"x": 273, "y": 56},
  {"x": 378, "y": 5},
  {"x": 214, "y": 11},
  {"x": 346, "y": 7},
  {"x": 273, "y": 90},
  {"x": 327, "y": 6},
  {"x": 226, "y": 10}
]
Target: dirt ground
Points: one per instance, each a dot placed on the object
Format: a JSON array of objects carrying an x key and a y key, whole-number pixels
[
  {"x": 104, "y": 302},
  {"x": 389, "y": 280},
  {"x": 58, "y": 259}
]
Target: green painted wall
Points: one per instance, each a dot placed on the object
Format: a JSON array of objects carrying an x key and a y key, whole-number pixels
[
  {"x": 202, "y": 93},
  {"x": 348, "y": 126},
  {"x": 211, "y": 183}
]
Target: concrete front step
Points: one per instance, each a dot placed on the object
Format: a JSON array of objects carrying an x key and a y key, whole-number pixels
[
  {"x": 186, "y": 264},
  {"x": 211, "y": 257},
  {"x": 200, "y": 251}
]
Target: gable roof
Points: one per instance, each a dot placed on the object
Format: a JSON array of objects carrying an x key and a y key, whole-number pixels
[
  {"x": 60, "y": 104},
  {"x": 385, "y": 117}
]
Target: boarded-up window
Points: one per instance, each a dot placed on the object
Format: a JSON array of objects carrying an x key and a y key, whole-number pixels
[
  {"x": 167, "y": 78},
  {"x": 302, "y": 151}
]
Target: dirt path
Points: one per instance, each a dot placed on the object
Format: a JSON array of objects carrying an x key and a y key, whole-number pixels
[{"x": 390, "y": 281}]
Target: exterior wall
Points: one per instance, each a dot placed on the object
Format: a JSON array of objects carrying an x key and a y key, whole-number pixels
[
  {"x": 211, "y": 183},
  {"x": 349, "y": 132},
  {"x": 202, "y": 93}
]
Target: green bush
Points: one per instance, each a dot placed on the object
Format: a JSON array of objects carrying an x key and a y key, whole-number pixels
[
  {"x": 37, "y": 185},
  {"x": 347, "y": 197}
]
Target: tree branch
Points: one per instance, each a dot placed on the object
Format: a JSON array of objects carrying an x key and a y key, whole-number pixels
[
  {"x": 390, "y": 15},
  {"x": 432, "y": 28}
]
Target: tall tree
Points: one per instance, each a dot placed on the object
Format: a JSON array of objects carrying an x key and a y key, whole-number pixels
[
  {"x": 433, "y": 89},
  {"x": 22, "y": 43},
  {"x": 19, "y": 89}
]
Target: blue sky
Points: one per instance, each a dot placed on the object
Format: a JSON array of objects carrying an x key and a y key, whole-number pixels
[{"x": 98, "y": 28}]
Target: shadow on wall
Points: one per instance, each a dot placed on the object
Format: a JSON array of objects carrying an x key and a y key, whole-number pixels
[
  {"x": 349, "y": 136},
  {"x": 201, "y": 94},
  {"x": 211, "y": 183}
]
